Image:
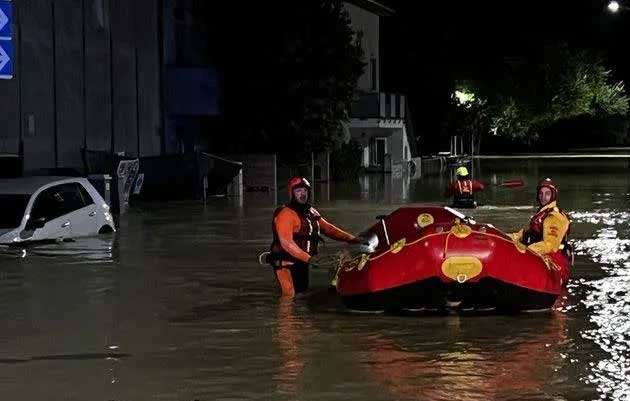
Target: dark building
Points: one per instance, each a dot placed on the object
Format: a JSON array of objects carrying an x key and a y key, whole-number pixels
[{"x": 118, "y": 76}]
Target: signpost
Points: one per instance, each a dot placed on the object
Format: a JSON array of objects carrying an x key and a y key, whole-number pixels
[{"x": 6, "y": 39}]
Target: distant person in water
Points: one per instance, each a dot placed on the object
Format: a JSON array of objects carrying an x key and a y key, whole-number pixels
[
  {"x": 548, "y": 230},
  {"x": 463, "y": 189},
  {"x": 296, "y": 236}
]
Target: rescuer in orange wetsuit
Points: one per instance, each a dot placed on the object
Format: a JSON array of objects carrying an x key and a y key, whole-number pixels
[
  {"x": 463, "y": 189},
  {"x": 296, "y": 236},
  {"x": 548, "y": 229}
]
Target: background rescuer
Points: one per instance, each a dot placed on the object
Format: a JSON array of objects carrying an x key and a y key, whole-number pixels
[
  {"x": 296, "y": 236},
  {"x": 463, "y": 189}
]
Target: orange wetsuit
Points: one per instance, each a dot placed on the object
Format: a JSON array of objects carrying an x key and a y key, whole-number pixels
[{"x": 296, "y": 236}]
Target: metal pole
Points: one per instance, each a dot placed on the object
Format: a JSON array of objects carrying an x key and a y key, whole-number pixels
[
  {"x": 135, "y": 53},
  {"x": 54, "y": 60},
  {"x": 19, "y": 75},
  {"x": 472, "y": 155},
  {"x": 84, "y": 66},
  {"x": 111, "y": 80},
  {"x": 160, "y": 8}
]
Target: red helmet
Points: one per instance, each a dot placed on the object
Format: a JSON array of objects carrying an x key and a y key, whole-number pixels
[
  {"x": 548, "y": 183},
  {"x": 297, "y": 182}
]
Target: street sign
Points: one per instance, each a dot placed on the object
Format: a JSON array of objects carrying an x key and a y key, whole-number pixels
[
  {"x": 6, "y": 63},
  {"x": 6, "y": 43},
  {"x": 5, "y": 19}
]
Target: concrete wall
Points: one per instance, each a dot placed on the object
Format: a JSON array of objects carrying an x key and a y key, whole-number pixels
[
  {"x": 35, "y": 45},
  {"x": 367, "y": 23},
  {"x": 149, "y": 76},
  {"x": 398, "y": 142},
  {"x": 61, "y": 97}
]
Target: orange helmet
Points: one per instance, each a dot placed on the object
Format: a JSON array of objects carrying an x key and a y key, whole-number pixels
[
  {"x": 548, "y": 183},
  {"x": 297, "y": 182}
]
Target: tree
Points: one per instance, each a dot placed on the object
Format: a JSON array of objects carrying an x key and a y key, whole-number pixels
[
  {"x": 289, "y": 72},
  {"x": 573, "y": 84},
  {"x": 467, "y": 114}
]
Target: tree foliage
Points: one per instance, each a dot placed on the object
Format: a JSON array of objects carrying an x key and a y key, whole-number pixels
[
  {"x": 289, "y": 72},
  {"x": 562, "y": 85}
]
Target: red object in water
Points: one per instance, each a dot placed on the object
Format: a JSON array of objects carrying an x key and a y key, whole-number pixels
[
  {"x": 512, "y": 183},
  {"x": 431, "y": 257}
]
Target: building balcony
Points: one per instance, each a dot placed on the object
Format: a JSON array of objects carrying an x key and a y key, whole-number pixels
[{"x": 379, "y": 105}]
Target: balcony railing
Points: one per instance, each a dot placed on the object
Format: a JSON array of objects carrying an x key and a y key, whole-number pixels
[{"x": 379, "y": 105}]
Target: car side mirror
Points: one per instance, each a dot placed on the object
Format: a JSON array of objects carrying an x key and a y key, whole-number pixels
[{"x": 33, "y": 224}]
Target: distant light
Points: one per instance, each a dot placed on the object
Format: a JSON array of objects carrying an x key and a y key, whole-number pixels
[{"x": 613, "y": 6}]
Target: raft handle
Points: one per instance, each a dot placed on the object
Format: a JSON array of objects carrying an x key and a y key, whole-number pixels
[
  {"x": 382, "y": 217},
  {"x": 262, "y": 258}
]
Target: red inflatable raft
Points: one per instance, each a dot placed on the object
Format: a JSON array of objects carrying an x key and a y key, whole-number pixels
[{"x": 435, "y": 257}]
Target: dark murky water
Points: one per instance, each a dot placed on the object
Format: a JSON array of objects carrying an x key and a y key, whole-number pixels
[{"x": 176, "y": 307}]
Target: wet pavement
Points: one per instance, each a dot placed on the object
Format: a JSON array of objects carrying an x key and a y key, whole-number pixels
[{"x": 175, "y": 306}]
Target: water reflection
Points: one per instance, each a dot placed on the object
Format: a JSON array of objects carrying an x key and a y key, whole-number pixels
[
  {"x": 608, "y": 300},
  {"x": 467, "y": 363},
  {"x": 98, "y": 249},
  {"x": 290, "y": 338}
]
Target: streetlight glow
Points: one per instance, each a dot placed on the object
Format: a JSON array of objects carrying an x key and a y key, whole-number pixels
[
  {"x": 463, "y": 97},
  {"x": 613, "y": 6}
]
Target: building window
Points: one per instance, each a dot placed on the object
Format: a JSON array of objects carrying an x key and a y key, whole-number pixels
[{"x": 377, "y": 151}]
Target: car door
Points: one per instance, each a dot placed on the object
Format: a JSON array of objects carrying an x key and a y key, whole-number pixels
[
  {"x": 48, "y": 208},
  {"x": 92, "y": 223},
  {"x": 79, "y": 208}
]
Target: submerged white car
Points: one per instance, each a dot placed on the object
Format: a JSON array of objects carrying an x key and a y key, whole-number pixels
[{"x": 51, "y": 208}]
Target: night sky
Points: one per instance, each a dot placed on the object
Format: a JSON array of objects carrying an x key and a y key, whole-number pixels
[
  {"x": 426, "y": 46},
  {"x": 478, "y": 33}
]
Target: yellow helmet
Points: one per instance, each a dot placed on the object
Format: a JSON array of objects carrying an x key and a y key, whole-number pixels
[{"x": 461, "y": 171}]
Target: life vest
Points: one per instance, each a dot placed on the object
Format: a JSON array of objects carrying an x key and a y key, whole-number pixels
[
  {"x": 464, "y": 196},
  {"x": 307, "y": 237},
  {"x": 535, "y": 231},
  {"x": 464, "y": 187}
]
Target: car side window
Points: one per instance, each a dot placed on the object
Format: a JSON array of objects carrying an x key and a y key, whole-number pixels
[
  {"x": 71, "y": 196},
  {"x": 87, "y": 198},
  {"x": 47, "y": 206},
  {"x": 59, "y": 200}
]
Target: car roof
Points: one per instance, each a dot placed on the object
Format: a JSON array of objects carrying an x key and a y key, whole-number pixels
[{"x": 29, "y": 185}]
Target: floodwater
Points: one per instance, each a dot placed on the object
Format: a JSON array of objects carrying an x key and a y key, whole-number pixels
[{"x": 175, "y": 307}]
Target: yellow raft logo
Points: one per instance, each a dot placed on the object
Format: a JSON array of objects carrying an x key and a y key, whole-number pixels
[
  {"x": 461, "y": 230},
  {"x": 461, "y": 268},
  {"x": 425, "y": 219}
]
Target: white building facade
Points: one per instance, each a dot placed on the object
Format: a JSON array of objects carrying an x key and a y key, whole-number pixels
[{"x": 377, "y": 119}]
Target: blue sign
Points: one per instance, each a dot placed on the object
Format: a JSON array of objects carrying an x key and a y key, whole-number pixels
[
  {"x": 6, "y": 59},
  {"x": 6, "y": 45},
  {"x": 5, "y": 19}
]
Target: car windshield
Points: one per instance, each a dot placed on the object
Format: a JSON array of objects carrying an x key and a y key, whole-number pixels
[{"x": 12, "y": 207}]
